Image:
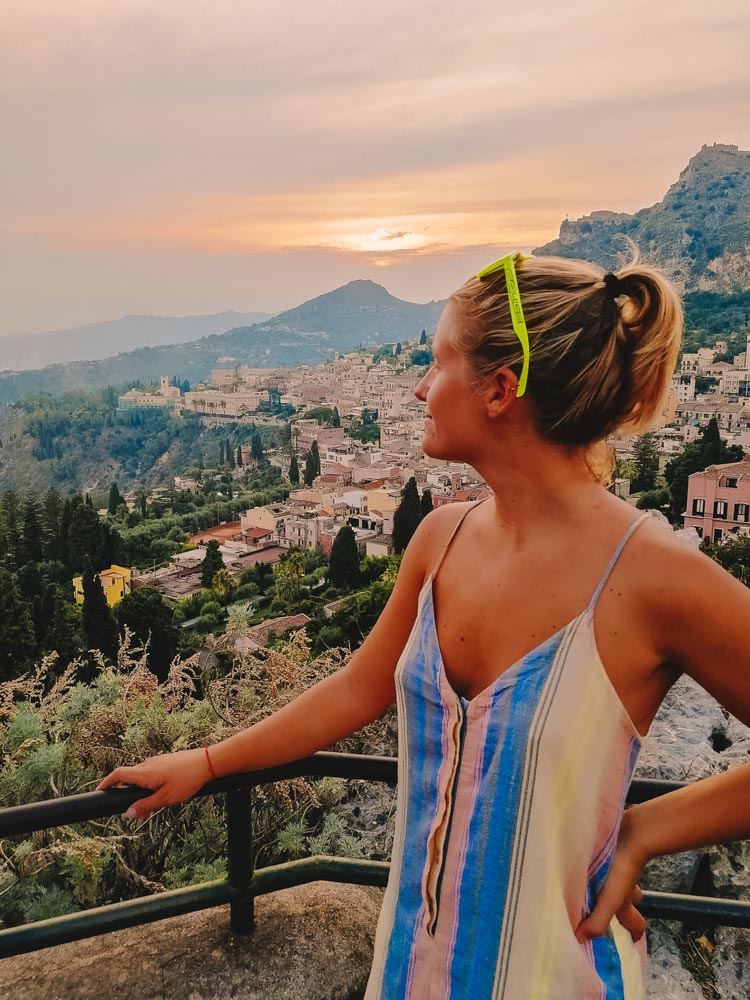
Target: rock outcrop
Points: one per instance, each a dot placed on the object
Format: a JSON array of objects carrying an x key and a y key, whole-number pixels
[
  {"x": 699, "y": 233},
  {"x": 310, "y": 943},
  {"x": 693, "y": 737}
]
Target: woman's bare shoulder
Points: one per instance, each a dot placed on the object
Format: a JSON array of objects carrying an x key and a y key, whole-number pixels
[
  {"x": 434, "y": 533},
  {"x": 692, "y": 602}
]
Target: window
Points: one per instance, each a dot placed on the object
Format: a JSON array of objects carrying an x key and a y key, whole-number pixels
[
  {"x": 720, "y": 508},
  {"x": 730, "y": 483},
  {"x": 699, "y": 529},
  {"x": 699, "y": 507},
  {"x": 717, "y": 534},
  {"x": 742, "y": 512}
]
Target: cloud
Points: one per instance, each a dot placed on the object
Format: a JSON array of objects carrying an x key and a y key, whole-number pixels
[{"x": 390, "y": 134}]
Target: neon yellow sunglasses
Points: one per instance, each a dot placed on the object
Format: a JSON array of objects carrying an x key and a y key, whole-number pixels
[{"x": 506, "y": 265}]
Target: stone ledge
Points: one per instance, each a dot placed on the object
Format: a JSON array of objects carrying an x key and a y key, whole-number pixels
[{"x": 313, "y": 942}]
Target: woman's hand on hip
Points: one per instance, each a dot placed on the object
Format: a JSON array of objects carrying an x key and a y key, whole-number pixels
[
  {"x": 620, "y": 893},
  {"x": 172, "y": 777}
]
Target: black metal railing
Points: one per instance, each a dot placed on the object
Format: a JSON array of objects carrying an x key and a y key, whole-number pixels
[{"x": 243, "y": 882}]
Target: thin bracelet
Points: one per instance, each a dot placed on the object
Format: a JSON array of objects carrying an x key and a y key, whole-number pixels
[{"x": 210, "y": 766}]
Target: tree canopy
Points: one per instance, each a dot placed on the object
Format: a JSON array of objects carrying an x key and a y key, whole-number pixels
[
  {"x": 99, "y": 625},
  {"x": 213, "y": 561},
  {"x": 646, "y": 461},
  {"x": 148, "y": 617},
  {"x": 407, "y": 516},
  {"x": 343, "y": 570}
]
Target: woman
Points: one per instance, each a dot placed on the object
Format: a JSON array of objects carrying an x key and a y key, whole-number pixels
[{"x": 529, "y": 642}]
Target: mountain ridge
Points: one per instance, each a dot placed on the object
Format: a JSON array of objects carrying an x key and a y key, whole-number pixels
[
  {"x": 338, "y": 320},
  {"x": 699, "y": 232},
  {"x": 107, "y": 338}
]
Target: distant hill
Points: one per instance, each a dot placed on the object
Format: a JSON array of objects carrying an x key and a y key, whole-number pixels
[
  {"x": 102, "y": 340},
  {"x": 699, "y": 232},
  {"x": 358, "y": 312}
]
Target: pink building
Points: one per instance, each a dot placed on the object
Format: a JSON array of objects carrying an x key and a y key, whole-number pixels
[{"x": 719, "y": 500}]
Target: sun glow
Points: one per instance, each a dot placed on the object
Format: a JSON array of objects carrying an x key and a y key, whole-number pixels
[{"x": 386, "y": 240}]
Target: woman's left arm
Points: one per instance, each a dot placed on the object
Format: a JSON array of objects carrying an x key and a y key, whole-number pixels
[{"x": 701, "y": 617}]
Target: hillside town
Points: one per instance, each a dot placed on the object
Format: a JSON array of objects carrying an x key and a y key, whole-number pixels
[{"x": 359, "y": 483}]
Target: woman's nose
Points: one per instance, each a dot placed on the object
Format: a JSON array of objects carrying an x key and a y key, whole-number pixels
[{"x": 420, "y": 390}]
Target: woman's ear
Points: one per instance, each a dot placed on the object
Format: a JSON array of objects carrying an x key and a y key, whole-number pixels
[{"x": 500, "y": 392}]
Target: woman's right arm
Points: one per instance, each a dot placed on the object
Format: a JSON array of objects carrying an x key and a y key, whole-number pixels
[{"x": 330, "y": 710}]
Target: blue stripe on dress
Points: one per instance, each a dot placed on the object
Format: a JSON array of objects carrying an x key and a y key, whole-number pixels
[
  {"x": 606, "y": 956},
  {"x": 425, "y": 710},
  {"x": 485, "y": 880}
]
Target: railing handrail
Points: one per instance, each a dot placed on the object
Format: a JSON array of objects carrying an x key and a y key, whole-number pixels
[
  {"x": 80, "y": 808},
  {"x": 243, "y": 882}
]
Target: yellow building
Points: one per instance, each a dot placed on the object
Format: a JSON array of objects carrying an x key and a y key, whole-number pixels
[{"x": 115, "y": 583}]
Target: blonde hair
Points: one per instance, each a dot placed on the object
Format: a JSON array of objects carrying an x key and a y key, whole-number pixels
[{"x": 598, "y": 362}]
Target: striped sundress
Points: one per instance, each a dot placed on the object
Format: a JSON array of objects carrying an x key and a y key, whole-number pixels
[{"x": 507, "y": 816}]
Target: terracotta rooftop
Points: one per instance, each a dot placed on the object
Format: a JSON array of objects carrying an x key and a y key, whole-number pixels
[
  {"x": 221, "y": 533},
  {"x": 741, "y": 469},
  {"x": 256, "y": 532},
  {"x": 260, "y": 634}
]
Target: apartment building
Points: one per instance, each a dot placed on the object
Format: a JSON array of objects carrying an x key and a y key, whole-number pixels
[
  {"x": 719, "y": 500},
  {"x": 736, "y": 382},
  {"x": 304, "y": 432},
  {"x": 222, "y": 403},
  {"x": 701, "y": 410},
  {"x": 273, "y": 518},
  {"x": 304, "y": 530},
  {"x": 115, "y": 581},
  {"x": 684, "y": 387},
  {"x": 250, "y": 378},
  {"x": 167, "y": 396}
]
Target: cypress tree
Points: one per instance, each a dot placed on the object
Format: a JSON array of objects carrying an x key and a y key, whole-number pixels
[
  {"x": 316, "y": 457},
  {"x": 51, "y": 516},
  {"x": 11, "y": 518},
  {"x": 310, "y": 469},
  {"x": 64, "y": 631},
  {"x": 407, "y": 516},
  {"x": 425, "y": 504},
  {"x": 336, "y": 418},
  {"x": 711, "y": 435},
  {"x": 48, "y": 609},
  {"x": 212, "y": 563},
  {"x": 149, "y": 617},
  {"x": 115, "y": 499},
  {"x": 32, "y": 540},
  {"x": 239, "y": 456},
  {"x": 230, "y": 454},
  {"x": 646, "y": 461},
  {"x": 257, "y": 448},
  {"x": 343, "y": 569},
  {"x": 99, "y": 625},
  {"x": 423, "y": 337},
  {"x": 294, "y": 470},
  {"x": 37, "y": 619},
  {"x": 221, "y": 452},
  {"x": 17, "y": 639}
]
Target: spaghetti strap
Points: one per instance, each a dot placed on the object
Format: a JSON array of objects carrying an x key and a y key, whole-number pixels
[
  {"x": 453, "y": 533},
  {"x": 613, "y": 560}
]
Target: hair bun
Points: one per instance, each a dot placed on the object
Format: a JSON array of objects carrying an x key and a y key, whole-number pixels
[{"x": 613, "y": 285}]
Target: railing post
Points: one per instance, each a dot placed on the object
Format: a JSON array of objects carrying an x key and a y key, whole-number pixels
[{"x": 240, "y": 859}]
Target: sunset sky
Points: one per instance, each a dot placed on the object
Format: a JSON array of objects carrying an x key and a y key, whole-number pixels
[{"x": 182, "y": 157}]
